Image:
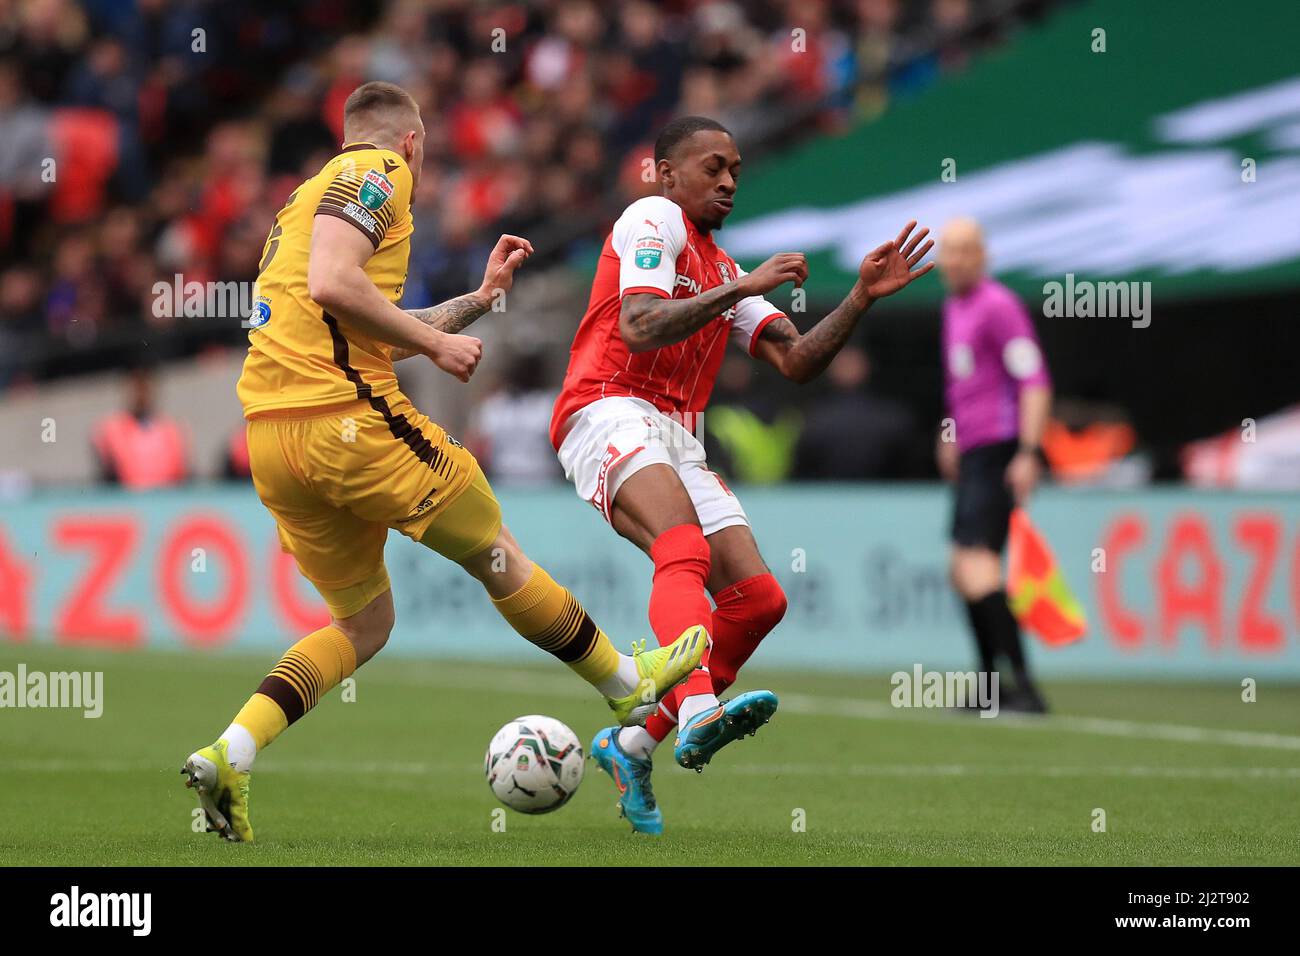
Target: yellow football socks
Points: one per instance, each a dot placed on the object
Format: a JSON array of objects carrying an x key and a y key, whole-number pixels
[
  {"x": 310, "y": 668},
  {"x": 549, "y": 616}
]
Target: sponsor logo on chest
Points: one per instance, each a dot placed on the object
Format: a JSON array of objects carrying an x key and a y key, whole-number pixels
[
  {"x": 695, "y": 286},
  {"x": 261, "y": 313}
]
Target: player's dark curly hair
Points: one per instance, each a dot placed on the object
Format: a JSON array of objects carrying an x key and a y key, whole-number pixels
[{"x": 681, "y": 129}]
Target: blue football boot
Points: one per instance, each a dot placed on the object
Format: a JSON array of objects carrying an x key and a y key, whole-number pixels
[
  {"x": 631, "y": 775},
  {"x": 709, "y": 731}
]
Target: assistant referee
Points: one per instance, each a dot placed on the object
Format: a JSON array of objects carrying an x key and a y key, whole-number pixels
[{"x": 998, "y": 396}]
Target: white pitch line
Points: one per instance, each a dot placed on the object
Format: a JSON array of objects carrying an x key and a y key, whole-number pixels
[
  {"x": 558, "y": 686},
  {"x": 403, "y": 768},
  {"x": 1101, "y": 726},
  {"x": 474, "y": 677},
  {"x": 981, "y": 770},
  {"x": 424, "y": 769}
]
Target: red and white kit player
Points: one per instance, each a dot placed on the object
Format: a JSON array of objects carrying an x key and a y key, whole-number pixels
[{"x": 665, "y": 302}]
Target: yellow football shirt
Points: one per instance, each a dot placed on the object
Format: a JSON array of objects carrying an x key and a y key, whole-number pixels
[{"x": 298, "y": 355}]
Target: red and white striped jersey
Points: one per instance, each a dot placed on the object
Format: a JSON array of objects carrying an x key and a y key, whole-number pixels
[{"x": 653, "y": 248}]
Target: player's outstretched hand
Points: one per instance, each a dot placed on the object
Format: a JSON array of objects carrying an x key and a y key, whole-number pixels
[
  {"x": 782, "y": 267},
  {"x": 458, "y": 355},
  {"x": 891, "y": 266},
  {"x": 507, "y": 256}
]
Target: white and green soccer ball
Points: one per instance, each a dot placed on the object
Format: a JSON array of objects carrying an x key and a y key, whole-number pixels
[{"x": 534, "y": 764}]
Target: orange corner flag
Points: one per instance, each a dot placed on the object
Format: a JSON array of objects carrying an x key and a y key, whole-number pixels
[{"x": 1039, "y": 597}]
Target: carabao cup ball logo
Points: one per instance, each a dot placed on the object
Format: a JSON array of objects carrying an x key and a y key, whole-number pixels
[{"x": 376, "y": 189}]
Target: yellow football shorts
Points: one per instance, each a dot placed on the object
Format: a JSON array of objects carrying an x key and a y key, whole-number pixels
[{"x": 338, "y": 479}]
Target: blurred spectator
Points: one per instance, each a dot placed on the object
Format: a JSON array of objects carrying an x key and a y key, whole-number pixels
[
  {"x": 1090, "y": 443},
  {"x": 854, "y": 434},
  {"x": 20, "y": 318},
  {"x": 300, "y": 142},
  {"x": 137, "y": 447},
  {"x": 749, "y": 433},
  {"x": 234, "y": 457},
  {"x": 509, "y": 429},
  {"x": 25, "y": 150},
  {"x": 1258, "y": 454}
]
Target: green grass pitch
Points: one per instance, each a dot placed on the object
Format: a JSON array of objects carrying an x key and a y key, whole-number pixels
[{"x": 1186, "y": 774}]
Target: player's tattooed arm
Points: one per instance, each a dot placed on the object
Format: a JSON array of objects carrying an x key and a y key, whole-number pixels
[
  {"x": 802, "y": 358},
  {"x": 338, "y": 283},
  {"x": 884, "y": 271},
  {"x": 454, "y": 315},
  {"x": 647, "y": 321}
]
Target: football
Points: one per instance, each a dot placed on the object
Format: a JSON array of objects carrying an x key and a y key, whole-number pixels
[{"x": 534, "y": 764}]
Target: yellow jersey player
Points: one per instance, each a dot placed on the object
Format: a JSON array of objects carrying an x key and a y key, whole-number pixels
[{"x": 340, "y": 456}]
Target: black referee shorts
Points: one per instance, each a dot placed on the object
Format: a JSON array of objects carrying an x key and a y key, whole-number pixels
[{"x": 981, "y": 511}]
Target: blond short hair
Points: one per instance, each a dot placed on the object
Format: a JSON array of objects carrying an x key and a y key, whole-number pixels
[{"x": 379, "y": 110}]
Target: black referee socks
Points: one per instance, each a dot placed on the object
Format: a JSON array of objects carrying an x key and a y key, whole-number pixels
[{"x": 997, "y": 633}]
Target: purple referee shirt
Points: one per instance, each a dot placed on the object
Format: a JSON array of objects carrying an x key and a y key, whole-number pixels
[{"x": 990, "y": 353}]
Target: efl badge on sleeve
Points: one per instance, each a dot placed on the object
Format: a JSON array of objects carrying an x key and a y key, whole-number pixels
[{"x": 376, "y": 189}]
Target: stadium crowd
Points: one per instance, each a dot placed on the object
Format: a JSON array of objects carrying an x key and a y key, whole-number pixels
[
  {"x": 153, "y": 141},
  {"x": 145, "y": 140}
]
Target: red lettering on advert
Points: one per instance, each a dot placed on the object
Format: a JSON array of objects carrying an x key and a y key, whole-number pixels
[
  {"x": 1125, "y": 534},
  {"x": 202, "y": 624},
  {"x": 15, "y": 603},
  {"x": 1197, "y": 601},
  {"x": 83, "y": 618},
  {"x": 299, "y": 616},
  {"x": 1261, "y": 536}
]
